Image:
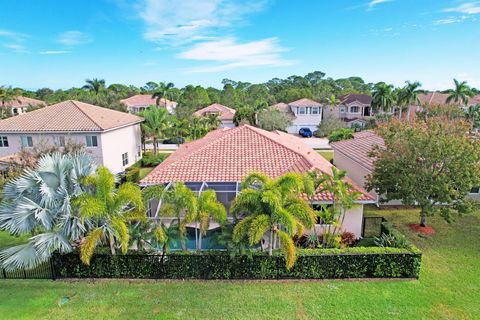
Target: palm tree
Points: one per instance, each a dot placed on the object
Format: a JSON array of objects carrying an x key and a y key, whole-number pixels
[
  {"x": 333, "y": 100},
  {"x": 408, "y": 96},
  {"x": 460, "y": 93},
  {"x": 39, "y": 202},
  {"x": 157, "y": 123},
  {"x": 163, "y": 91},
  {"x": 208, "y": 208},
  {"x": 274, "y": 207},
  {"x": 109, "y": 209},
  {"x": 213, "y": 121},
  {"x": 95, "y": 85},
  {"x": 473, "y": 114},
  {"x": 383, "y": 97}
]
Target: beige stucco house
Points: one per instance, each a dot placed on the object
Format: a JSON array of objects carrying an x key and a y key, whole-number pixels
[
  {"x": 225, "y": 114},
  {"x": 20, "y": 104},
  {"x": 140, "y": 102},
  {"x": 305, "y": 113},
  {"x": 113, "y": 138},
  {"x": 354, "y": 109}
]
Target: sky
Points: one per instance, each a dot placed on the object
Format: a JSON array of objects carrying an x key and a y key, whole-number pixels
[{"x": 59, "y": 44}]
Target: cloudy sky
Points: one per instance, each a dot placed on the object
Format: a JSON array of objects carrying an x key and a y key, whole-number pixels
[{"x": 61, "y": 43}]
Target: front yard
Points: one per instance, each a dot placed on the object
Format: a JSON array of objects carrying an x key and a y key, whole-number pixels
[{"x": 448, "y": 288}]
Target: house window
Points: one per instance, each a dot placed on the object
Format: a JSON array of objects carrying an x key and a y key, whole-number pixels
[
  {"x": 301, "y": 110},
  {"x": 3, "y": 142},
  {"x": 139, "y": 151},
  {"x": 315, "y": 110},
  {"x": 342, "y": 109},
  {"x": 27, "y": 141},
  {"x": 475, "y": 190},
  {"x": 125, "y": 158},
  {"x": 354, "y": 109},
  {"x": 15, "y": 111},
  {"x": 91, "y": 141},
  {"x": 59, "y": 141}
]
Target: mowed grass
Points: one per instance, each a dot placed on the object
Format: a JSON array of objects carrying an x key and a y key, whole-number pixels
[
  {"x": 144, "y": 171},
  {"x": 449, "y": 288},
  {"x": 7, "y": 240},
  {"x": 327, "y": 154}
]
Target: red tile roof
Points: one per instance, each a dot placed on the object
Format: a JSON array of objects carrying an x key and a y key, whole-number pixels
[
  {"x": 144, "y": 100},
  {"x": 228, "y": 155},
  {"x": 305, "y": 103},
  {"x": 68, "y": 115},
  {"x": 352, "y": 97},
  {"x": 283, "y": 107},
  {"x": 438, "y": 98},
  {"x": 224, "y": 113},
  {"x": 24, "y": 102},
  {"x": 359, "y": 147}
]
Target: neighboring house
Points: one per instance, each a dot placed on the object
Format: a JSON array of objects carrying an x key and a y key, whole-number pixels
[
  {"x": 140, "y": 102},
  {"x": 113, "y": 138},
  {"x": 438, "y": 98},
  {"x": 305, "y": 113},
  {"x": 222, "y": 158},
  {"x": 19, "y": 105},
  {"x": 225, "y": 114},
  {"x": 353, "y": 109}
]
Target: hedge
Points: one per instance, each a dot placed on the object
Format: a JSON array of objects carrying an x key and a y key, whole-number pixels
[{"x": 356, "y": 262}]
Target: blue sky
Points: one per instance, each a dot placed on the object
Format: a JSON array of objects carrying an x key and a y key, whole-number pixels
[{"x": 59, "y": 44}]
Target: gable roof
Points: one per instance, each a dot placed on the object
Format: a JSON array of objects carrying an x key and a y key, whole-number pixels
[
  {"x": 305, "y": 103},
  {"x": 359, "y": 147},
  {"x": 353, "y": 97},
  {"x": 439, "y": 98},
  {"x": 224, "y": 113},
  {"x": 283, "y": 107},
  {"x": 68, "y": 115},
  {"x": 21, "y": 101},
  {"x": 228, "y": 155},
  {"x": 145, "y": 100}
]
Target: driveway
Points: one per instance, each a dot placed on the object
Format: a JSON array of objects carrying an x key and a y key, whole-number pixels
[{"x": 316, "y": 143}]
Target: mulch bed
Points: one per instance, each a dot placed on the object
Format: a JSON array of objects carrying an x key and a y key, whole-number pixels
[{"x": 423, "y": 230}]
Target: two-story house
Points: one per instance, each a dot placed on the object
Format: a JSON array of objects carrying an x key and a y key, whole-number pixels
[
  {"x": 140, "y": 102},
  {"x": 225, "y": 114},
  {"x": 111, "y": 137},
  {"x": 305, "y": 113},
  {"x": 353, "y": 109}
]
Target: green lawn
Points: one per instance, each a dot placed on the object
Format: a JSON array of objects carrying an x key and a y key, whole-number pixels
[
  {"x": 326, "y": 154},
  {"x": 6, "y": 240},
  {"x": 449, "y": 288},
  {"x": 144, "y": 172}
]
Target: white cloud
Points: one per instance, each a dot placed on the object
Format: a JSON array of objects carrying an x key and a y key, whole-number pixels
[
  {"x": 19, "y": 37},
  {"x": 452, "y": 20},
  {"x": 54, "y": 52},
  {"x": 471, "y": 80},
  {"x": 73, "y": 38},
  {"x": 467, "y": 8},
  {"x": 192, "y": 20},
  {"x": 229, "y": 54},
  {"x": 17, "y": 48},
  {"x": 373, "y": 3}
]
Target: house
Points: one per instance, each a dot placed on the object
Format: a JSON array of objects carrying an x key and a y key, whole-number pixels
[
  {"x": 354, "y": 109},
  {"x": 20, "y": 105},
  {"x": 438, "y": 98},
  {"x": 113, "y": 138},
  {"x": 225, "y": 114},
  {"x": 140, "y": 102},
  {"x": 222, "y": 158},
  {"x": 305, "y": 113}
]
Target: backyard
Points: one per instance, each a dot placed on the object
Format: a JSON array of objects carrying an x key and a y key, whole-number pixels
[{"x": 448, "y": 288}]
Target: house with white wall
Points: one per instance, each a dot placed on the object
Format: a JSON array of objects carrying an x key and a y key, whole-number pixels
[
  {"x": 20, "y": 105},
  {"x": 140, "y": 102},
  {"x": 111, "y": 137},
  {"x": 225, "y": 114},
  {"x": 354, "y": 109},
  {"x": 305, "y": 113}
]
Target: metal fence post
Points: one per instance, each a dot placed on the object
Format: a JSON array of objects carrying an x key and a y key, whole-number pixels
[{"x": 52, "y": 268}]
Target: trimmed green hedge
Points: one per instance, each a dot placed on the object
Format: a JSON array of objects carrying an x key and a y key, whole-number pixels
[{"x": 355, "y": 262}]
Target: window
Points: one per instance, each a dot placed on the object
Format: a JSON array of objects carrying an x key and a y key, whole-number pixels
[
  {"x": 27, "y": 141},
  {"x": 91, "y": 141},
  {"x": 315, "y": 110},
  {"x": 15, "y": 111},
  {"x": 301, "y": 110},
  {"x": 3, "y": 142},
  {"x": 59, "y": 141},
  {"x": 475, "y": 190},
  {"x": 139, "y": 151},
  {"x": 125, "y": 158},
  {"x": 354, "y": 109},
  {"x": 342, "y": 109}
]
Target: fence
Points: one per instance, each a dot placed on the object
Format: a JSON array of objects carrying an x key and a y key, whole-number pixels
[{"x": 42, "y": 271}]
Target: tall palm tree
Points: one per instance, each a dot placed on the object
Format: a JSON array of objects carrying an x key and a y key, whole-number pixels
[
  {"x": 39, "y": 202},
  {"x": 95, "y": 85},
  {"x": 274, "y": 207},
  {"x": 109, "y": 209},
  {"x": 333, "y": 100},
  {"x": 198, "y": 127},
  {"x": 213, "y": 121},
  {"x": 156, "y": 125},
  {"x": 460, "y": 93},
  {"x": 408, "y": 96},
  {"x": 163, "y": 91},
  {"x": 208, "y": 208},
  {"x": 383, "y": 97}
]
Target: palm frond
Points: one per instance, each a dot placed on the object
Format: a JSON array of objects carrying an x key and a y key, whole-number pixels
[
  {"x": 240, "y": 231},
  {"x": 259, "y": 225},
  {"x": 89, "y": 244},
  {"x": 288, "y": 248},
  {"x": 121, "y": 233}
]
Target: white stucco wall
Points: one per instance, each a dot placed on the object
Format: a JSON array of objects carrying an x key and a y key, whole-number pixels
[
  {"x": 352, "y": 222},
  {"x": 119, "y": 141}
]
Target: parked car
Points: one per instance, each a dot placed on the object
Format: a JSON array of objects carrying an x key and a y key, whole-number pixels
[
  {"x": 305, "y": 132},
  {"x": 177, "y": 140}
]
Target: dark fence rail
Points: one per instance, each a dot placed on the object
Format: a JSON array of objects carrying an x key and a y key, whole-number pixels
[{"x": 42, "y": 271}]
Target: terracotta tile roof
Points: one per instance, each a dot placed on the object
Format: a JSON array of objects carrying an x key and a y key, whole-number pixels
[
  {"x": 224, "y": 113},
  {"x": 438, "y": 98},
  {"x": 305, "y": 103},
  {"x": 228, "y": 155},
  {"x": 283, "y": 107},
  {"x": 144, "y": 100},
  {"x": 359, "y": 147},
  {"x": 68, "y": 115},
  {"x": 352, "y": 97},
  {"x": 24, "y": 102}
]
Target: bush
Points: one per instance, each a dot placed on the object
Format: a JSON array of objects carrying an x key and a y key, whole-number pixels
[
  {"x": 355, "y": 262},
  {"x": 329, "y": 125},
  {"x": 348, "y": 239},
  {"x": 132, "y": 174},
  {"x": 151, "y": 160},
  {"x": 341, "y": 134}
]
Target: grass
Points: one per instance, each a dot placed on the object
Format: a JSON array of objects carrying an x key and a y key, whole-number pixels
[
  {"x": 448, "y": 288},
  {"x": 144, "y": 171},
  {"x": 326, "y": 154},
  {"x": 7, "y": 240}
]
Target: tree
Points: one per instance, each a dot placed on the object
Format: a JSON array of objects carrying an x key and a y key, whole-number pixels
[
  {"x": 430, "y": 164},
  {"x": 408, "y": 96},
  {"x": 244, "y": 115},
  {"x": 213, "y": 121},
  {"x": 383, "y": 97},
  {"x": 274, "y": 207},
  {"x": 94, "y": 85},
  {"x": 460, "y": 93},
  {"x": 340, "y": 134},
  {"x": 39, "y": 202},
  {"x": 273, "y": 119},
  {"x": 333, "y": 100},
  {"x": 156, "y": 125},
  {"x": 108, "y": 209},
  {"x": 163, "y": 91},
  {"x": 330, "y": 124},
  {"x": 7, "y": 95},
  {"x": 473, "y": 114}
]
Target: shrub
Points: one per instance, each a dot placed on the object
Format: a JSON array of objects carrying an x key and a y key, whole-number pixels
[
  {"x": 348, "y": 239},
  {"x": 132, "y": 174},
  {"x": 151, "y": 160},
  {"x": 329, "y": 125},
  {"x": 341, "y": 134}
]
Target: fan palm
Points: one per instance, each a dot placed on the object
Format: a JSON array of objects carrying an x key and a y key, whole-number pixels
[
  {"x": 157, "y": 123},
  {"x": 383, "y": 97},
  {"x": 460, "y": 93},
  {"x": 163, "y": 91},
  {"x": 109, "y": 209},
  {"x": 39, "y": 202},
  {"x": 275, "y": 207},
  {"x": 95, "y": 85},
  {"x": 408, "y": 96}
]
